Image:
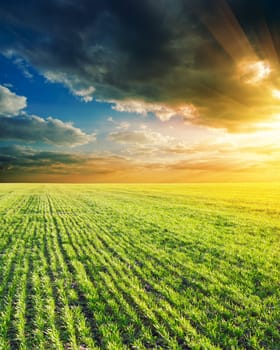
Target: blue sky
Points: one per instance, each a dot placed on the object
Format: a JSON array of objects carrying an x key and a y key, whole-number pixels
[{"x": 46, "y": 98}]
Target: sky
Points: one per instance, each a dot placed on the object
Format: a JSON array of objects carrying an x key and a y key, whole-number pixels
[{"x": 139, "y": 91}]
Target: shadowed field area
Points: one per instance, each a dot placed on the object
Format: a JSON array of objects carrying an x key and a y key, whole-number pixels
[{"x": 192, "y": 266}]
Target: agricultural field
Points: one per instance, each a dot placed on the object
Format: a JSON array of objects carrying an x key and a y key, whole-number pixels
[{"x": 192, "y": 266}]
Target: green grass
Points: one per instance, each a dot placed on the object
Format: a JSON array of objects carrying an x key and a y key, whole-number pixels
[{"x": 139, "y": 266}]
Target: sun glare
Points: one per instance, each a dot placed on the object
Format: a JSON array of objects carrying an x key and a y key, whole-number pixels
[
  {"x": 276, "y": 94},
  {"x": 272, "y": 124},
  {"x": 254, "y": 72}
]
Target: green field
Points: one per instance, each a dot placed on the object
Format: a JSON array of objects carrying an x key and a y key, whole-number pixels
[{"x": 191, "y": 266}]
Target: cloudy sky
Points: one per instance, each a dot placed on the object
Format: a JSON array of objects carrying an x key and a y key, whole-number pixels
[{"x": 139, "y": 91}]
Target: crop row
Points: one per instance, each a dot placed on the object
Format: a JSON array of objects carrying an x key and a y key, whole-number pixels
[{"x": 110, "y": 268}]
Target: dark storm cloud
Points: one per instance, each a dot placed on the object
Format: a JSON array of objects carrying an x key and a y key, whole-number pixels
[
  {"x": 156, "y": 51},
  {"x": 21, "y": 156},
  {"x": 50, "y": 130},
  {"x": 20, "y": 163},
  {"x": 121, "y": 47},
  {"x": 110, "y": 44}
]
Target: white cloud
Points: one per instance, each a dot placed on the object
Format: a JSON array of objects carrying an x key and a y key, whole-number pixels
[
  {"x": 20, "y": 62},
  {"x": 85, "y": 94},
  {"x": 123, "y": 126},
  {"x": 10, "y": 103},
  {"x": 221, "y": 149},
  {"x": 23, "y": 66},
  {"x": 110, "y": 119},
  {"x": 15, "y": 124},
  {"x": 161, "y": 111},
  {"x": 143, "y": 137},
  {"x": 73, "y": 84}
]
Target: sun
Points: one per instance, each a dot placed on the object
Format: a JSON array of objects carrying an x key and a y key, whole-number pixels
[{"x": 254, "y": 72}]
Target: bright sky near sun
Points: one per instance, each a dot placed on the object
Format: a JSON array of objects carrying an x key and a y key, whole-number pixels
[{"x": 142, "y": 91}]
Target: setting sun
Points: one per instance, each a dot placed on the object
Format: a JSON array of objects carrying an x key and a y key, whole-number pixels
[{"x": 254, "y": 72}]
